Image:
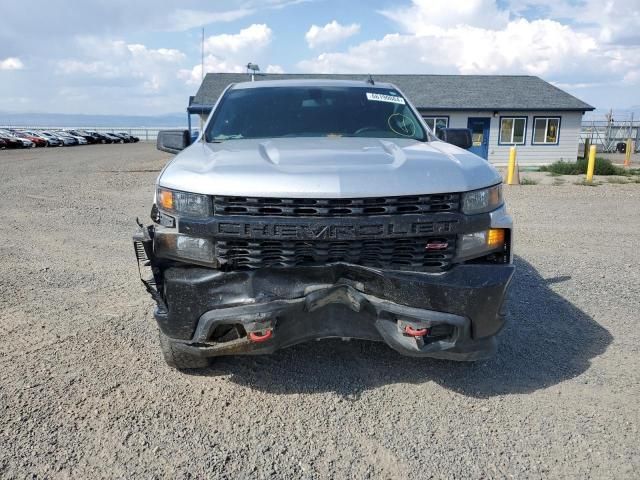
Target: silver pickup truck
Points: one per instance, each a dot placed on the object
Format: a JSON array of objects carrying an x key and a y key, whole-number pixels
[{"x": 313, "y": 209}]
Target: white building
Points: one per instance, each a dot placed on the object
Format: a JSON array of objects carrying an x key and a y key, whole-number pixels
[{"x": 541, "y": 120}]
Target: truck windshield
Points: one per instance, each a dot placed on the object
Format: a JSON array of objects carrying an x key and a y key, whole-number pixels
[{"x": 328, "y": 111}]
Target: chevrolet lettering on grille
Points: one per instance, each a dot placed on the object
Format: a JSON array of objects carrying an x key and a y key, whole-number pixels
[{"x": 318, "y": 230}]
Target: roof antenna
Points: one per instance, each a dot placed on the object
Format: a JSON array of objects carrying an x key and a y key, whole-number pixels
[{"x": 370, "y": 80}]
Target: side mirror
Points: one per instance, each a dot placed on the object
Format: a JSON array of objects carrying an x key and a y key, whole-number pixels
[
  {"x": 173, "y": 141},
  {"x": 460, "y": 137}
]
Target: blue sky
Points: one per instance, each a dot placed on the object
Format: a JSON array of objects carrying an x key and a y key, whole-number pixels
[{"x": 142, "y": 57}]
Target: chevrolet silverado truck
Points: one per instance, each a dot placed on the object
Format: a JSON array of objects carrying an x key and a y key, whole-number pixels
[{"x": 312, "y": 209}]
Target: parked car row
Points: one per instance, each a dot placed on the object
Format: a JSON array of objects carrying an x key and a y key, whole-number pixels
[{"x": 14, "y": 138}]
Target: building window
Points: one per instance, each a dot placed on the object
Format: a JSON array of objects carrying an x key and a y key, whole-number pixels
[
  {"x": 436, "y": 123},
  {"x": 546, "y": 130},
  {"x": 513, "y": 130}
]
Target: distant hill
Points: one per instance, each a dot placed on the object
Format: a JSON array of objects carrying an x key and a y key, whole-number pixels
[{"x": 72, "y": 120}]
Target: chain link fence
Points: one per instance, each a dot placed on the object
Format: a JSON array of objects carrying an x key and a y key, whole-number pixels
[{"x": 609, "y": 132}]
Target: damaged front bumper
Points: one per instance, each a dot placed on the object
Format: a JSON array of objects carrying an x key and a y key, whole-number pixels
[{"x": 208, "y": 312}]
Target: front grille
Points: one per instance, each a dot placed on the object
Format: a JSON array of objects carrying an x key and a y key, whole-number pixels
[
  {"x": 396, "y": 253},
  {"x": 335, "y": 207}
]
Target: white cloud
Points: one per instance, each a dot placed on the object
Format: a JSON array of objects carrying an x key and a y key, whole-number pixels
[
  {"x": 618, "y": 20},
  {"x": 330, "y": 34},
  {"x": 274, "y": 69},
  {"x": 193, "y": 76},
  {"x": 214, "y": 64},
  {"x": 73, "y": 67},
  {"x": 152, "y": 69},
  {"x": 479, "y": 37},
  {"x": 231, "y": 53},
  {"x": 632, "y": 77},
  {"x": 433, "y": 16},
  {"x": 610, "y": 21},
  {"x": 185, "y": 19},
  {"x": 589, "y": 45},
  {"x": 11, "y": 63},
  {"x": 255, "y": 36},
  {"x": 104, "y": 56},
  {"x": 540, "y": 47},
  {"x": 161, "y": 54},
  {"x": 209, "y": 12}
]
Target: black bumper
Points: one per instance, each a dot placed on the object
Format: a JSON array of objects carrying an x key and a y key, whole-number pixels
[{"x": 337, "y": 300}]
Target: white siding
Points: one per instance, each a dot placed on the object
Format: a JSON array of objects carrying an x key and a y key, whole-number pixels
[{"x": 567, "y": 148}]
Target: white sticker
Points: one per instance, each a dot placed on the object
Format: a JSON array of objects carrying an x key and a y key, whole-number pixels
[{"x": 379, "y": 97}]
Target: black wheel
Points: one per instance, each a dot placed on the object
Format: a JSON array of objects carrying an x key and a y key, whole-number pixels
[{"x": 177, "y": 359}]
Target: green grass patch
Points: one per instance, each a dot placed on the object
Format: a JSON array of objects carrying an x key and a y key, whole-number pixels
[
  {"x": 584, "y": 183},
  {"x": 528, "y": 181},
  {"x": 552, "y": 174},
  {"x": 617, "y": 180},
  {"x": 603, "y": 167}
]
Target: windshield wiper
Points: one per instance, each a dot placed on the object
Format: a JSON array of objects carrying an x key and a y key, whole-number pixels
[{"x": 222, "y": 138}]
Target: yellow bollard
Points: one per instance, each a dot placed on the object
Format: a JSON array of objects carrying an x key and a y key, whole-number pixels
[
  {"x": 627, "y": 153},
  {"x": 592, "y": 163},
  {"x": 512, "y": 166},
  {"x": 585, "y": 153}
]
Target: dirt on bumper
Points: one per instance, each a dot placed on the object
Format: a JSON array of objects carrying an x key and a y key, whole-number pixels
[{"x": 338, "y": 300}]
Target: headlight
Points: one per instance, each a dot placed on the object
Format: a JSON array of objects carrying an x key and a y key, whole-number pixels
[
  {"x": 481, "y": 243},
  {"x": 175, "y": 245},
  {"x": 191, "y": 205},
  {"x": 482, "y": 201}
]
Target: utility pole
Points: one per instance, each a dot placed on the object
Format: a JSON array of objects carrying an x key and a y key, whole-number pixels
[
  {"x": 608, "y": 134},
  {"x": 202, "y": 56},
  {"x": 201, "y": 75}
]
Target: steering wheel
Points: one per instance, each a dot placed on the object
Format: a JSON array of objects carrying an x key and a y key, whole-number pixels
[{"x": 365, "y": 129}]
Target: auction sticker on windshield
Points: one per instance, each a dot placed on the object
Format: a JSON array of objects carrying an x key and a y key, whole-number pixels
[{"x": 379, "y": 97}]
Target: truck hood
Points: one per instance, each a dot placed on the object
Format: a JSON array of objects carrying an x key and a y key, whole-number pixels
[{"x": 326, "y": 168}]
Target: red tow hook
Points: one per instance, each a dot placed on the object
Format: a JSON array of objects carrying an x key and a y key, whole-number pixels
[
  {"x": 258, "y": 337},
  {"x": 420, "y": 332}
]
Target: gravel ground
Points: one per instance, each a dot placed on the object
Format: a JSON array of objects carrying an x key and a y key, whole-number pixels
[{"x": 84, "y": 391}]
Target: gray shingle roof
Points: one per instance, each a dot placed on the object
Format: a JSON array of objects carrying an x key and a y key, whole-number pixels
[{"x": 435, "y": 92}]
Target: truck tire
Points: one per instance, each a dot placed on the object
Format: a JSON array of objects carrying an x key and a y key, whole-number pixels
[{"x": 177, "y": 359}]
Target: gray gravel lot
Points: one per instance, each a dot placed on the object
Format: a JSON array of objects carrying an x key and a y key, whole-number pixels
[{"x": 84, "y": 392}]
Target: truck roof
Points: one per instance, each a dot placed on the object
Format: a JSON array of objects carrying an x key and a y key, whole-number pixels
[{"x": 311, "y": 82}]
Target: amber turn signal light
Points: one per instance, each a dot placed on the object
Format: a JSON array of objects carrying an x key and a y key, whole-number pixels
[
  {"x": 165, "y": 199},
  {"x": 495, "y": 238}
]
